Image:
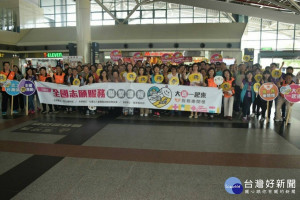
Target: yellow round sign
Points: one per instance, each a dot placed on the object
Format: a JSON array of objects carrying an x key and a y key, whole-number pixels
[
  {"x": 76, "y": 81},
  {"x": 226, "y": 86},
  {"x": 246, "y": 58},
  {"x": 258, "y": 77},
  {"x": 158, "y": 78},
  {"x": 276, "y": 73},
  {"x": 122, "y": 73},
  {"x": 98, "y": 72},
  {"x": 174, "y": 81},
  {"x": 23, "y": 89},
  {"x": 194, "y": 78},
  {"x": 143, "y": 79},
  {"x": 256, "y": 87},
  {"x": 2, "y": 78},
  {"x": 131, "y": 76}
]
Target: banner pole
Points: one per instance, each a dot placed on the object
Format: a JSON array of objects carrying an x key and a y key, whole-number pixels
[
  {"x": 26, "y": 110},
  {"x": 12, "y": 105},
  {"x": 288, "y": 116},
  {"x": 268, "y": 111}
]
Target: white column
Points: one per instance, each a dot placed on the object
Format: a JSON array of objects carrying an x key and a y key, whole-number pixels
[{"x": 83, "y": 29}]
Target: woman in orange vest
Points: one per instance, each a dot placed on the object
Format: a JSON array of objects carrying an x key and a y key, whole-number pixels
[
  {"x": 44, "y": 77},
  {"x": 10, "y": 75},
  {"x": 228, "y": 95},
  {"x": 58, "y": 78},
  {"x": 210, "y": 82}
]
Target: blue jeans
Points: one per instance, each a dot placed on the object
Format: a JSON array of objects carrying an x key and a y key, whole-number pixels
[{"x": 30, "y": 102}]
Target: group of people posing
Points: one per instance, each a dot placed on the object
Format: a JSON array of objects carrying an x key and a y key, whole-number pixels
[{"x": 238, "y": 99}]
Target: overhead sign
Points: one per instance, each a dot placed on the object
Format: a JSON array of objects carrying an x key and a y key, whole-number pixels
[
  {"x": 216, "y": 58},
  {"x": 115, "y": 55},
  {"x": 53, "y": 55}
]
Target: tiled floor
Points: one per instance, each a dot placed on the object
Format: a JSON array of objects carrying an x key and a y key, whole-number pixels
[{"x": 143, "y": 158}]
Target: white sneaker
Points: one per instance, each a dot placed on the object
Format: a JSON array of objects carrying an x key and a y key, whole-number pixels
[
  {"x": 146, "y": 115},
  {"x": 196, "y": 116},
  {"x": 142, "y": 115},
  {"x": 191, "y": 116},
  {"x": 252, "y": 115}
]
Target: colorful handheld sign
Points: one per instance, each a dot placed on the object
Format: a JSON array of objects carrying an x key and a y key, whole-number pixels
[
  {"x": 12, "y": 88},
  {"x": 268, "y": 91},
  {"x": 159, "y": 78},
  {"x": 218, "y": 80},
  {"x": 115, "y": 55},
  {"x": 26, "y": 88},
  {"x": 174, "y": 81},
  {"x": 131, "y": 76}
]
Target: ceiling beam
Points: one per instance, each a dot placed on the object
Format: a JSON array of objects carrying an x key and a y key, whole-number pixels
[
  {"x": 295, "y": 4},
  {"x": 284, "y": 6},
  {"x": 108, "y": 12},
  {"x": 240, "y": 9}
]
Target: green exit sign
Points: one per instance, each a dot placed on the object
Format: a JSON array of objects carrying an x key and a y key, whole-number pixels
[
  {"x": 53, "y": 55},
  {"x": 266, "y": 49}
]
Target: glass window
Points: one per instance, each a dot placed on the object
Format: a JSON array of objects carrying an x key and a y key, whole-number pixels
[
  {"x": 47, "y": 3},
  {"x": 96, "y": 16},
  {"x": 121, "y": 15},
  {"x": 134, "y": 21},
  {"x": 297, "y": 34},
  {"x": 70, "y": 2},
  {"x": 146, "y": 21},
  {"x": 186, "y": 13},
  {"x": 213, "y": 20},
  {"x": 160, "y": 5},
  {"x": 285, "y": 34},
  {"x": 297, "y": 44},
  {"x": 71, "y": 17},
  {"x": 269, "y": 24},
  {"x": 199, "y": 12},
  {"x": 71, "y": 9},
  {"x": 173, "y": 13},
  {"x": 160, "y": 13},
  {"x": 71, "y": 23},
  {"x": 147, "y": 14},
  {"x": 108, "y": 22},
  {"x": 60, "y": 9},
  {"x": 136, "y": 14},
  {"x": 96, "y": 23},
  {"x": 186, "y": 20},
  {"x": 268, "y": 44},
  {"x": 268, "y": 35},
  {"x": 60, "y": 2},
  {"x": 285, "y": 44},
  {"x": 48, "y": 10},
  {"x": 251, "y": 44},
  {"x": 173, "y": 21},
  {"x": 199, "y": 20},
  {"x": 251, "y": 36},
  {"x": 213, "y": 13},
  {"x": 282, "y": 25},
  {"x": 160, "y": 21},
  {"x": 107, "y": 16},
  {"x": 95, "y": 7},
  {"x": 225, "y": 20}
]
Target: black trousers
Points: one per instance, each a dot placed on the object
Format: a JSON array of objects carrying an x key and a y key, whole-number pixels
[
  {"x": 263, "y": 105},
  {"x": 6, "y": 99},
  {"x": 237, "y": 99},
  {"x": 246, "y": 105}
]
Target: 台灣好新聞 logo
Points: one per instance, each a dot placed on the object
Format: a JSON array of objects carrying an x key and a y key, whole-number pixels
[{"x": 233, "y": 185}]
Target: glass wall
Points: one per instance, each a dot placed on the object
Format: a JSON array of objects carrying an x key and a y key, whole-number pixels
[
  {"x": 263, "y": 34},
  {"x": 63, "y": 13},
  {"x": 7, "y": 19}
]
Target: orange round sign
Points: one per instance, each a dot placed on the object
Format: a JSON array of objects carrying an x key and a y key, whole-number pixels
[{"x": 268, "y": 91}]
